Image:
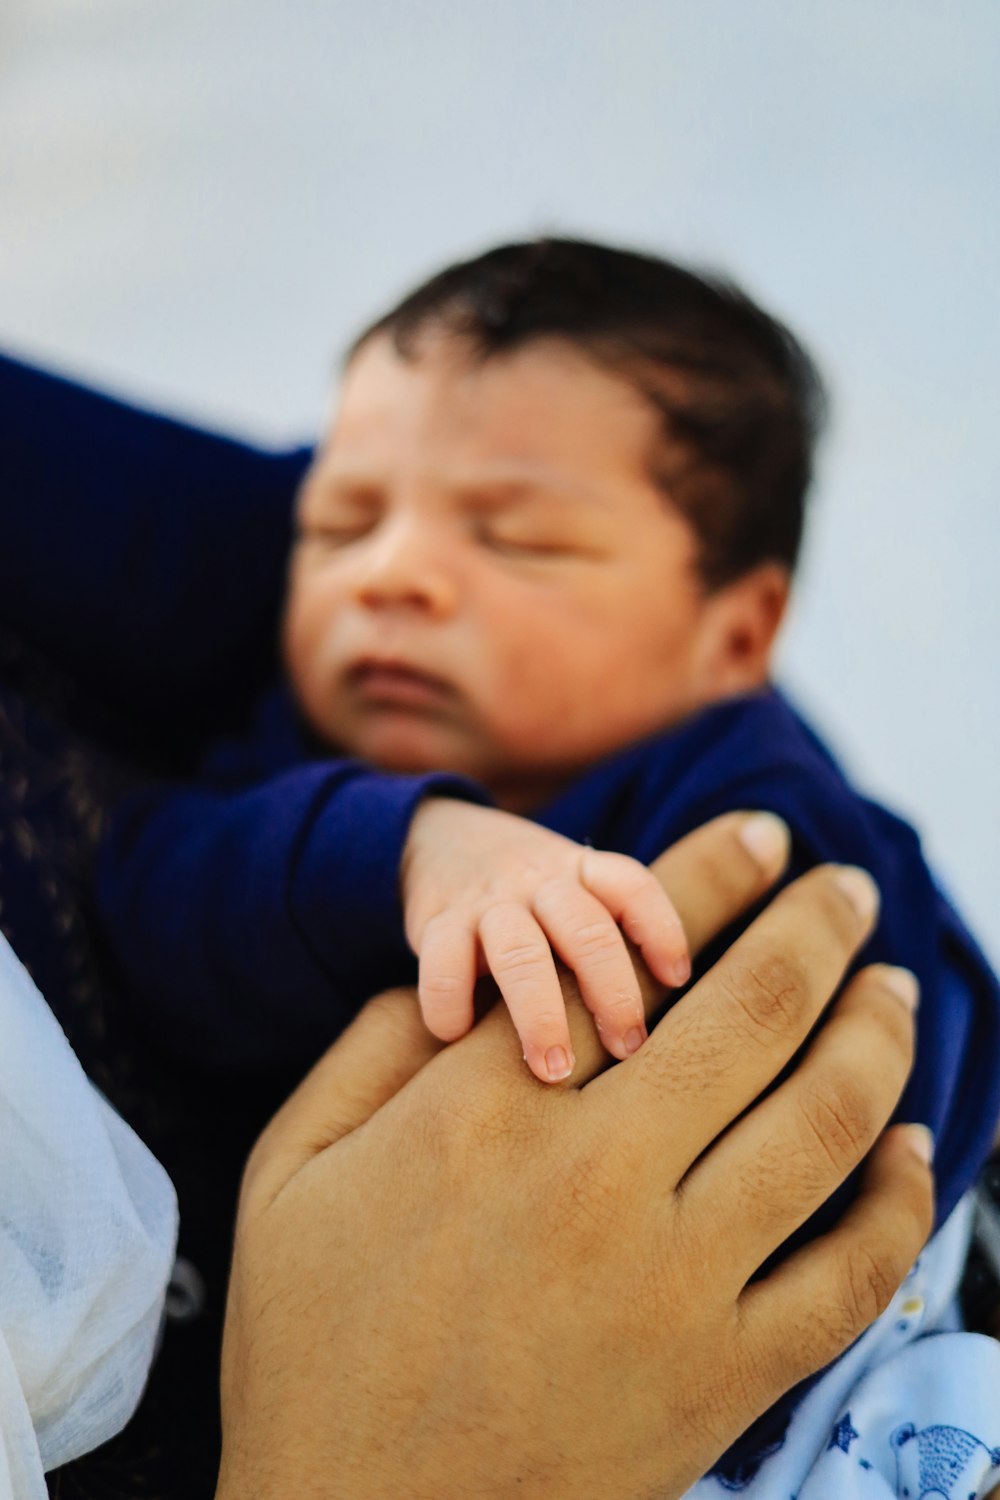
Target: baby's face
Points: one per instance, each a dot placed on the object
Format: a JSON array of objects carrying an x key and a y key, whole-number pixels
[{"x": 486, "y": 578}]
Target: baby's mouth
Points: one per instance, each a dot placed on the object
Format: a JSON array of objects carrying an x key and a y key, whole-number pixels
[{"x": 397, "y": 684}]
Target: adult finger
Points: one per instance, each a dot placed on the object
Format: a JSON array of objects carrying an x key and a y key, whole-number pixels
[
  {"x": 720, "y": 869},
  {"x": 520, "y": 959},
  {"x": 447, "y": 976},
  {"x": 385, "y": 1045},
  {"x": 586, "y": 937},
  {"x": 834, "y": 1288},
  {"x": 730, "y": 1036},
  {"x": 785, "y": 1157}
]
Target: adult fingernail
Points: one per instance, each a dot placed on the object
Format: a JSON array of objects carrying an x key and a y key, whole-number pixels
[
  {"x": 903, "y": 984},
  {"x": 921, "y": 1142},
  {"x": 634, "y": 1039},
  {"x": 860, "y": 890},
  {"x": 558, "y": 1064},
  {"x": 765, "y": 838}
]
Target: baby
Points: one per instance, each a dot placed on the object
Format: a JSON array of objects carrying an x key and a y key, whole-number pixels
[{"x": 543, "y": 555}]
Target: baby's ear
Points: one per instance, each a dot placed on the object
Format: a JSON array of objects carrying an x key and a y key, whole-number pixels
[{"x": 747, "y": 615}]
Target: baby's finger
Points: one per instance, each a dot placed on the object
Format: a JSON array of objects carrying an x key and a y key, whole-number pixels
[
  {"x": 712, "y": 875},
  {"x": 447, "y": 976},
  {"x": 585, "y": 935},
  {"x": 520, "y": 960},
  {"x": 643, "y": 910}
]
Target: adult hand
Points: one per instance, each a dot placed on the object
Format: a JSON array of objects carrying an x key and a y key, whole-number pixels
[{"x": 452, "y": 1281}]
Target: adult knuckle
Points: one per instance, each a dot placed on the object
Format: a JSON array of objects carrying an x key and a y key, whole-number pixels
[
  {"x": 868, "y": 1284},
  {"x": 769, "y": 988},
  {"x": 838, "y": 1117},
  {"x": 701, "y": 1053}
]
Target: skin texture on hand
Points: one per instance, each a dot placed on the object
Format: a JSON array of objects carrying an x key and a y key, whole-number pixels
[
  {"x": 485, "y": 890},
  {"x": 451, "y": 1281}
]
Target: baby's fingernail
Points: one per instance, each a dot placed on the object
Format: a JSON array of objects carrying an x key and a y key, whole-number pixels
[
  {"x": 680, "y": 971},
  {"x": 634, "y": 1039},
  {"x": 860, "y": 890},
  {"x": 921, "y": 1142},
  {"x": 558, "y": 1064},
  {"x": 766, "y": 838}
]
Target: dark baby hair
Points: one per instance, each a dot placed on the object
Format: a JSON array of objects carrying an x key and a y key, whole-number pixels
[{"x": 740, "y": 401}]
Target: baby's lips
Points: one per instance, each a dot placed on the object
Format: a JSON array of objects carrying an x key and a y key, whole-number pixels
[{"x": 397, "y": 682}]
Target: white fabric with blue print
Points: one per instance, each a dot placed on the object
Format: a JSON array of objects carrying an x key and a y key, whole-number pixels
[{"x": 911, "y": 1412}]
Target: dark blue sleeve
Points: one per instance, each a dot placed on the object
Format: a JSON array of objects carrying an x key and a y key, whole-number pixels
[
  {"x": 144, "y": 557},
  {"x": 250, "y": 924}
]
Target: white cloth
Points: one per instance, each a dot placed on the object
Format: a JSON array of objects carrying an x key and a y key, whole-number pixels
[
  {"x": 88, "y": 1224},
  {"x": 912, "y": 1411}
]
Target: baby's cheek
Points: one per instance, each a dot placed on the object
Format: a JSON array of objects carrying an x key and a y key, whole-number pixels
[
  {"x": 543, "y": 700},
  {"x": 305, "y": 638},
  {"x": 296, "y": 647}
]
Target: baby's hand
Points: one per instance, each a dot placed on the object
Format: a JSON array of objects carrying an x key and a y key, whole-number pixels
[{"x": 485, "y": 890}]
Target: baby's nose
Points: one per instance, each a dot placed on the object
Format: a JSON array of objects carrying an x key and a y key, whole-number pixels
[{"x": 409, "y": 568}]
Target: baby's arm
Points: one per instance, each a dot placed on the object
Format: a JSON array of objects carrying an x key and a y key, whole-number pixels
[
  {"x": 484, "y": 890},
  {"x": 251, "y": 920}
]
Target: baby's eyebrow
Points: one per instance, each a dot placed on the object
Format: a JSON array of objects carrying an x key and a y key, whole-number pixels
[
  {"x": 493, "y": 492},
  {"x": 360, "y": 487},
  {"x": 477, "y": 491}
]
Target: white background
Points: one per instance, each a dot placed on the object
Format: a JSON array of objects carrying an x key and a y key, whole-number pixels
[{"x": 201, "y": 200}]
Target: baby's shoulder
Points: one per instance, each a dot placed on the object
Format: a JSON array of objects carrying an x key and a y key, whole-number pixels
[{"x": 754, "y": 752}]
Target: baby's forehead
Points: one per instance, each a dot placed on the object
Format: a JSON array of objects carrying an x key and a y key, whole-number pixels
[{"x": 543, "y": 406}]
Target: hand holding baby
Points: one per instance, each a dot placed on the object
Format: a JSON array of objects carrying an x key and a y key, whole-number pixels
[{"x": 485, "y": 891}]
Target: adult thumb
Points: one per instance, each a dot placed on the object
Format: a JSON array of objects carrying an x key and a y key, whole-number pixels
[{"x": 383, "y": 1048}]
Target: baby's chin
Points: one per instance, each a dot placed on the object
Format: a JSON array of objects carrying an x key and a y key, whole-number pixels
[
  {"x": 512, "y": 789},
  {"x": 408, "y": 749},
  {"x": 411, "y": 745}
]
